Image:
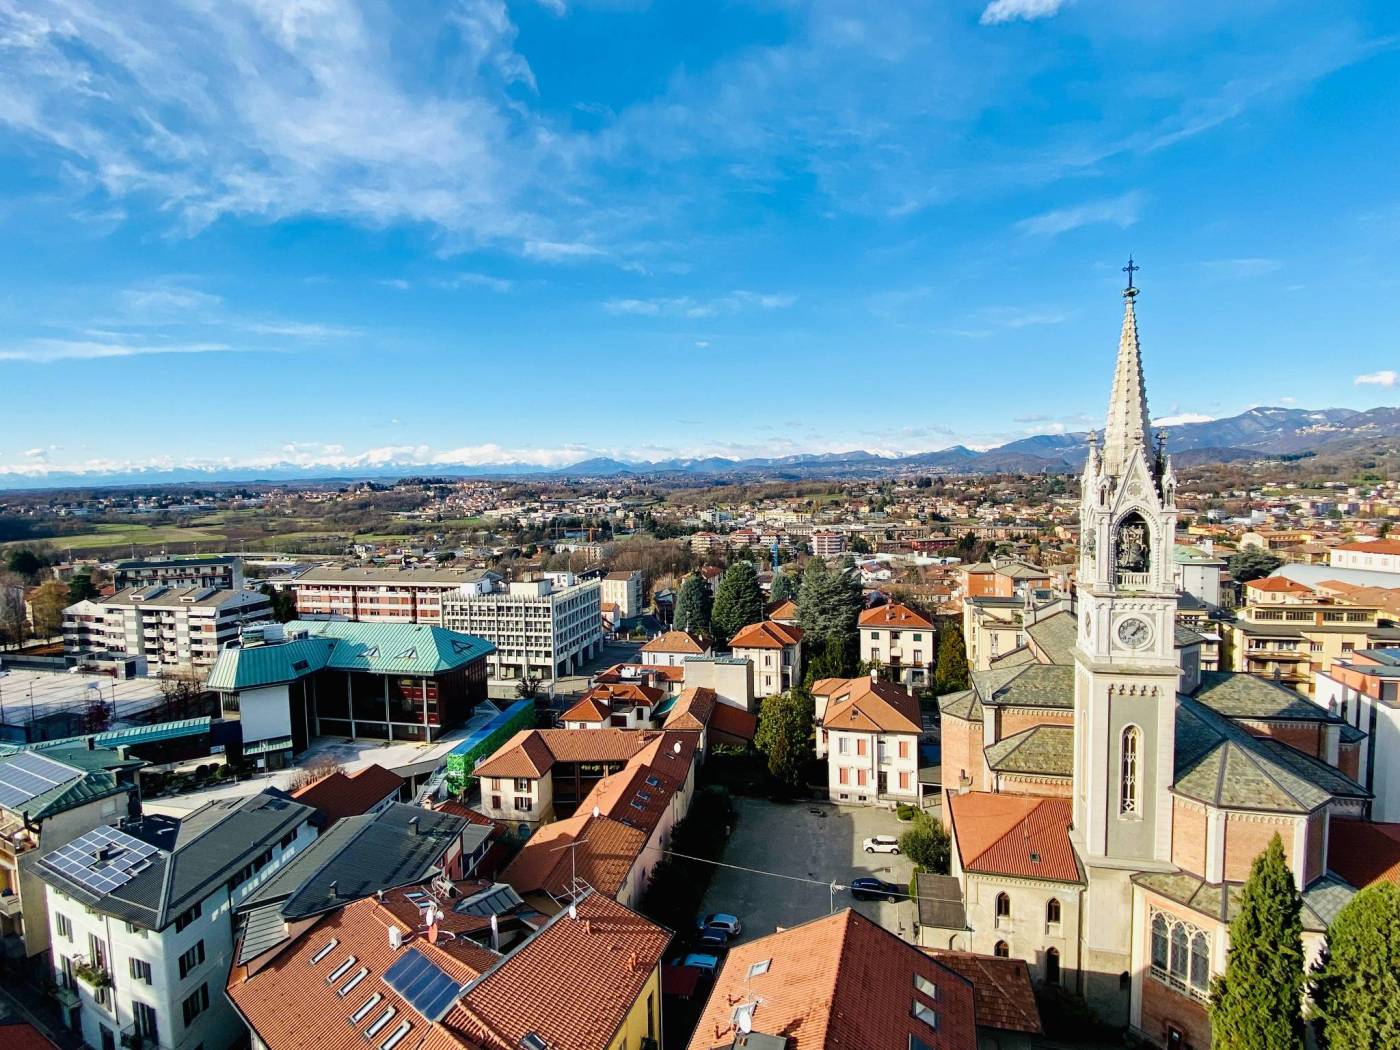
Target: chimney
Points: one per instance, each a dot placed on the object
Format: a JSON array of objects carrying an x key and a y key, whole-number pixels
[{"x": 413, "y": 823}]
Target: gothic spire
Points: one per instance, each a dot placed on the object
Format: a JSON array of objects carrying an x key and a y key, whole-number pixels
[{"x": 1128, "y": 420}]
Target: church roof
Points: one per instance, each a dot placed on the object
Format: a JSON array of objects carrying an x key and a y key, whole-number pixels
[
  {"x": 1024, "y": 836},
  {"x": 1040, "y": 750},
  {"x": 1248, "y": 696},
  {"x": 962, "y": 704},
  {"x": 1220, "y": 764},
  {"x": 1055, "y": 637},
  {"x": 1034, "y": 685},
  {"x": 1128, "y": 419},
  {"x": 1018, "y": 657},
  {"x": 1221, "y": 900}
]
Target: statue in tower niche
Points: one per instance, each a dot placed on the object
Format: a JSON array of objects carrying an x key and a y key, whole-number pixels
[{"x": 1131, "y": 554}]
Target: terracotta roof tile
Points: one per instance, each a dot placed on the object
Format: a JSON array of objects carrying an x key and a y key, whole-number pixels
[
  {"x": 766, "y": 635},
  {"x": 692, "y": 709},
  {"x": 837, "y": 983},
  {"x": 896, "y": 616},
  {"x": 1278, "y": 585},
  {"x": 1364, "y": 853},
  {"x": 675, "y": 642},
  {"x": 864, "y": 706},
  {"x": 1371, "y": 547},
  {"x": 783, "y": 610},
  {"x": 1022, "y": 835},
  {"x": 1001, "y": 989},
  {"x": 605, "y": 852},
  {"x": 349, "y": 795},
  {"x": 731, "y": 721},
  {"x": 523, "y": 755}
]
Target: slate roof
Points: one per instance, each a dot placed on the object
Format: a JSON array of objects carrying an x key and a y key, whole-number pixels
[
  {"x": 359, "y": 855},
  {"x": 1040, "y": 751},
  {"x": 1001, "y": 989},
  {"x": 839, "y": 982},
  {"x": 963, "y": 704},
  {"x": 940, "y": 901},
  {"x": 1034, "y": 685},
  {"x": 210, "y": 845},
  {"x": 1055, "y": 637},
  {"x": 1223, "y": 765},
  {"x": 376, "y": 648},
  {"x": 1251, "y": 697},
  {"x": 1020, "y": 835},
  {"x": 1018, "y": 657},
  {"x": 1221, "y": 901}
]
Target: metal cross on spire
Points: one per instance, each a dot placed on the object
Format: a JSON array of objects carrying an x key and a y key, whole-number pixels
[{"x": 1130, "y": 269}]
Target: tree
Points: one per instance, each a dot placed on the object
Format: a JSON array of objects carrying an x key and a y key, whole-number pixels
[
  {"x": 785, "y": 735},
  {"x": 952, "y": 673},
  {"x": 14, "y": 621},
  {"x": 1356, "y": 984},
  {"x": 1257, "y": 1003},
  {"x": 528, "y": 688},
  {"x": 860, "y": 545},
  {"x": 828, "y": 603},
  {"x": 784, "y": 587},
  {"x": 831, "y": 658},
  {"x": 738, "y": 602},
  {"x": 284, "y": 604},
  {"x": 80, "y": 588},
  {"x": 1383, "y": 529},
  {"x": 927, "y": 844},
  {"x": 24, "y": 562},
  {"x": 1252, "y": 563},
  {"x": 693, "y": 606},
  {"x": 46, "y": 606}
]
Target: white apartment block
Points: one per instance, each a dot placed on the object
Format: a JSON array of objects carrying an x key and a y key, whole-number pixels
[
  {"x": 212, "y": 571},
  {"x": 171, "y": 629},
  {"x": 868, "y": 731},
  {"x": 624, "y": 589},
  {"x": 539, "y": 628},
  {"x": 141, "y": 920},
  {"x": 381, "y": 595},
  {"x": 827, "y": 543},
  {"x": 1375, "y": 555}
]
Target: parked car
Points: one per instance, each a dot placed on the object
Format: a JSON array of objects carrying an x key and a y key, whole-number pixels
[
  {"x": 702, "y": 961},
  {"x": 882, "y": 844},
  {"x": 865, "y": 889},
  {"x": 729, "y": 923},
  {"x": 715, "y": 938}
]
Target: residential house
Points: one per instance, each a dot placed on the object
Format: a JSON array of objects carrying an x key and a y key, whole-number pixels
[
  {"x": 671, "y": 648},
  {"x": 775, "y": 651},
  {"x": 372, "y": 789},
  {"x": 868, "y": 731},
  {"x": 896, "y": 637},
  {"x": 619, "y": 705}
]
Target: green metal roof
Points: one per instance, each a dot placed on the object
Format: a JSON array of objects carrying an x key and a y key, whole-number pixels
[
  {"x": 114, "y": 738},
  {"x": 377, "y": 648}
]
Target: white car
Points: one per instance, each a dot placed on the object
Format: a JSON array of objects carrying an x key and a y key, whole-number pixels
[{"x": 882, "y": 844}]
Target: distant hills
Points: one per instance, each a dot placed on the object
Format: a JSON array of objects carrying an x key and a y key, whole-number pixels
[{"x": 1259, "y": 433}]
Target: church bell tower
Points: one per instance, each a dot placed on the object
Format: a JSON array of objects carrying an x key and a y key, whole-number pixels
[{"x": 1126, "y": 664}]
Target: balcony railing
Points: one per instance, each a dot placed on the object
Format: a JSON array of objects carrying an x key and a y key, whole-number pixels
[{"x": 1135, "y": 580}]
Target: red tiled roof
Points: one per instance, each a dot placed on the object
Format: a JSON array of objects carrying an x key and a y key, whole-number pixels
[
  {"x": 895, "y": 616},
  {"x": 675, "y": 642},
  {"x": 692, "y": 709},
  {"x": 731, "y": 721},
  {"x": 766, "y": 635},
  {"x": 1021, "y": 835},
  {"x": 1001, "y": 989},
  {"x": 1371, "y": 547},
  {"x": 1278, "y": 585},
  {"x": 589, "y": 709},
  {"x": 614, "y": 673},
  {"x": 860, "y": 705},
  {"x": 837, "y": 983},
  {"x": 605, "y": 853},
  {"x": 1363, "y": 852},
  {"x": 23, "y": 1036},
  {"x": 573, "y": 984},
  {"x": 341, "y": 795},
  {"x": 783, "y": 610},
  {"x": 523, "y": 755}
]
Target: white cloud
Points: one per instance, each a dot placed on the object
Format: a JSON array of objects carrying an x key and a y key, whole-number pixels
[
  {"x": 299, "y": 329},
  {"x": 560, "y": 251},
  {"x": 1180, "y": 418},
  {"x": 999, "y": 11},
  {"x": 555, "y": 7},
  {"x": 1385, "y": 377},
  {"x": 1121, "y": 211},
  {"x": 478, "y": 280},
  {"x": 46, "y": 351},
  {"x": 687, "y": 306}
]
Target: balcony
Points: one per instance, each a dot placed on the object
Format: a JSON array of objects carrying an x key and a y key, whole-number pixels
[
  {"x": 10, "y": 906},
  {"x": 1135, "y": 581}
]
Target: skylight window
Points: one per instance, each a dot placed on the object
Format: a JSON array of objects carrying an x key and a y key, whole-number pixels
[
  {"x": 379, "y": 1022},
  {"x": 926, "y": 1014},
  {"x": 645, "y": 796},
  {"x": 341, "y": 970},
  {"x": 396, "y": 1036},
  {"x": 926, "y": 986},
  {"x": 324, "y": 951},
  {"x": 532, "y": 1041},
  {"x": 638, "y": 804},
  {"x": 759, "y": 968},
  {"x": 365, "y": 1007},
  {"x": 653, "y": 782},
  {"x": 360, "y": 975}
]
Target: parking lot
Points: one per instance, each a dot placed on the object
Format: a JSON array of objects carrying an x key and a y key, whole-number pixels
[{"x": 792, "y": 840}]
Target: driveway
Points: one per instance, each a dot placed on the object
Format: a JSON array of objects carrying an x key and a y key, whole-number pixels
[{"x": 791, "y": 840}]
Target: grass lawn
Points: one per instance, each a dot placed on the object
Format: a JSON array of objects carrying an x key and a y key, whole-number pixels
[{"x": 111, "y": 536}]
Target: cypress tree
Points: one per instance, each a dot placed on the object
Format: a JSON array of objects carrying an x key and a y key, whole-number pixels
[
  {"x": 1257, "y": 1003},
  {"x": 1356, "y": 985},
  {"x": 951, "y": 674},
  {"x": 738, "y": 602},
  {"x": 693, "y": 606}
]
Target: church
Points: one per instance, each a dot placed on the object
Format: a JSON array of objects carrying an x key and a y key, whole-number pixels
[{"x": 1105, "y": 795}]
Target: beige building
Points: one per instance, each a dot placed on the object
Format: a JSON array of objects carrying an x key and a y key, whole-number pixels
[
  {"x": 896, "y": 638},
  {"x": 624, "y": 589},
  {"x": 775, "y": 651},
  {"x": 381, "y": 594},
  {"x": 868, "y": 732}
]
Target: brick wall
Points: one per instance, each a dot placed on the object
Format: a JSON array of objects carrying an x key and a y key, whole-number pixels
[
  {"x": 1246, "y": 838},
  {"x": 962, "y": 750},
  {"x": 1188, "y": 837},
  {"x": 1163, "y": 1006},
  {"x": 1011, "y": 722}
]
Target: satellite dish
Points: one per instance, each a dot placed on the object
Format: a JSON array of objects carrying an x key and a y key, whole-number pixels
[
  {"x": 746, "y": 1021},
  {"x": 597, "y": 811},
  {"x": 573, "y": 911},
  {"x": 676, "y": 747}
]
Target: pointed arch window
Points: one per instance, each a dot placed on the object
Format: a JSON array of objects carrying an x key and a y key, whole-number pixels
[
  {"x": 1052, "y": 912},
  {"x": 1130, "y": 760},
  {"x": 1003, "y": 909}
]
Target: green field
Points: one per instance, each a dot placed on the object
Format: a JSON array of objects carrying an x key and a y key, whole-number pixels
[{"x": 104, "y": 536}]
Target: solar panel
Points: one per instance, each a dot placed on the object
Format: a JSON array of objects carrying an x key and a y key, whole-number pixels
[
  {"x": 102, "y": 860},
  {"x": 427, "y": 988},
  {"x": 26, "y": 775}
]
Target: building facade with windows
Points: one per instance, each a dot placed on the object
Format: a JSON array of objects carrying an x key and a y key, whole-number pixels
[
  {"x": 775, "y": 651},
  {"x": 868, "y": 732},
  {"x": 383, "y": 595},
  {"x": 141, "y": 920},
  {"x": 221, "y": 571},
  {"x": 624, "y": 589},
  {"x": 541, "y": 629},
  {"x": 896, "y": 638}
]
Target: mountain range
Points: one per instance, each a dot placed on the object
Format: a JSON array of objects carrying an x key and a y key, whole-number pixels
[{"x": 1258, "y": 433}]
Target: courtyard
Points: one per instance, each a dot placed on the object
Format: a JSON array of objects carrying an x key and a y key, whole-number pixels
[{"x": 805, "y": 841}]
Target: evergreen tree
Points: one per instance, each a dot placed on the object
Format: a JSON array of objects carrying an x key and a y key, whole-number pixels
[
  {"x": 738, "y": 602},
  {"x": 828, "y": 603},
  {"x": 693, "y": 606},
  {"x": 1356, "y": 985},
  {"x": 1257, "y": 1003},
  {"x": 952, "y": 672},
  {"x": 784, "y": 587},
  {"x": 785, "y": 735}
]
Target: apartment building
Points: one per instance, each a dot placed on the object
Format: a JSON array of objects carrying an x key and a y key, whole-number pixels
[
  {"x": 1363, "y": 690},
  {"x": 140, "y": 919},
  {"x": 827, "y": 543},
  {"x": 624, "y": 589},
  {"x": 541, "y": 629},
  {"x": 211, "y": 571},
  {"x": 894, "y": 636},
  {"x": 386, "y": 595},
  {"x": 868, "y": 731},
  {"x": 1375, "y": 555},
  {"x": 173, "y": 629},
  {"x": 775, "y": 650}
]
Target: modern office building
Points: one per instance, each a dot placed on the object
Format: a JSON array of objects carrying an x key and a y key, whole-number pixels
[
  {"x": 540, "y": 629},
  {"x": 381, "y": 594}
]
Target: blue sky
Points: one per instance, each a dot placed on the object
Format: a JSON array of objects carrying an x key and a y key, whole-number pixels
[{"x": 334, "y": 233}]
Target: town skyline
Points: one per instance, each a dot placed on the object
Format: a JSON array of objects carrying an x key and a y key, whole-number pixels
[{"x": 725, "y": 211}]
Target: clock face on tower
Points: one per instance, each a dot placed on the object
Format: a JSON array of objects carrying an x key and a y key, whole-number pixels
[{"x": 1134, "y": 633}]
